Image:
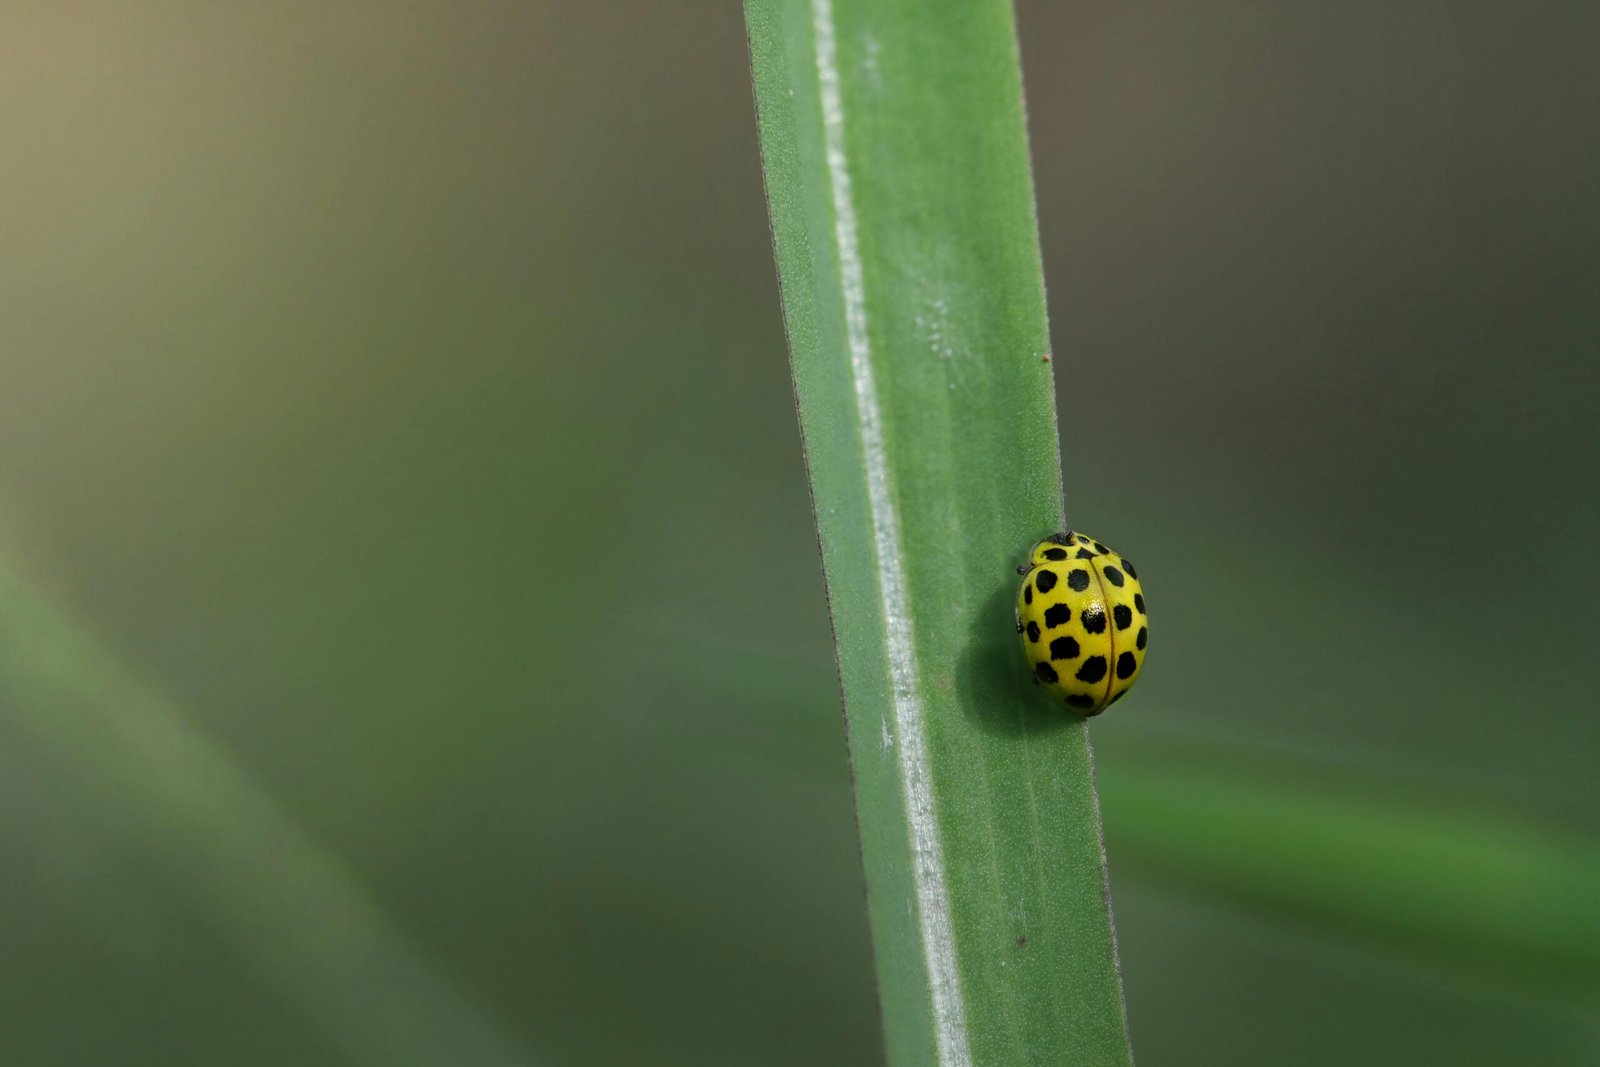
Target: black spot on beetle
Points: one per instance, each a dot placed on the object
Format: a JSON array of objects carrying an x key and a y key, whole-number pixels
[
  {"x": 1064, "y": 648},
  {"x": 1082, "y": 540},
  {"x": 1046, "y": 581},
  {"x": 1127, "y": 565},
  {"x": 1122, "y": 615},
  {"x": 1033, "y": 632},
  {"x": 1086, "y": 553},
  {"x": 1093, "y": 669},
  {"x": 1144, "y": 635},
  {"x": 1114, "y": 576},
  {"x": 1057, "y": 615},
  {"x": 1126, "y": 665},
  {"x": 1078, "y": 579},
  {"x": 1094, "y": 619},
  {"x": 1055, "y": 553},
  {"x": 1045, "y": 672},
  {"x": 1101, "y": 547},
  {"x": 1138, "y": 600},
  {"x": 1078, "y": 700},
  {"x": 1027, "y": 594}
]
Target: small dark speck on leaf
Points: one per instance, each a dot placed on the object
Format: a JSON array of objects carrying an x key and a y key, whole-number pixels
[{"x": 1022, "y": 941}]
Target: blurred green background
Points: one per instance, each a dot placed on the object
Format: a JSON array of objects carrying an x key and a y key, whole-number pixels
[{"x": 413, "y": 645}]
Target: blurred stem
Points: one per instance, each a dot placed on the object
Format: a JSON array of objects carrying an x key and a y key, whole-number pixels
[
  {"x": 1445, "y": 877},
  {"x": 290, "y": 909}
]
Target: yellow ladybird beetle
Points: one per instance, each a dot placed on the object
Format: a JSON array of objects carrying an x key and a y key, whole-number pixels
[{"x": 1081, "y": 615}]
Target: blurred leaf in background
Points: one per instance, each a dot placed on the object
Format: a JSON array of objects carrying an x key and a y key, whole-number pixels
[{"x": 368, "y": 373}]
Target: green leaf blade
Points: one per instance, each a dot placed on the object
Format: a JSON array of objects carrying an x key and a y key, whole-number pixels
[{"x": 895, "y": 151}]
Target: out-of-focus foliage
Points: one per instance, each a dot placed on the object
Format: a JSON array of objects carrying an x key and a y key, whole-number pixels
[{"x": 399, "y": 393}]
